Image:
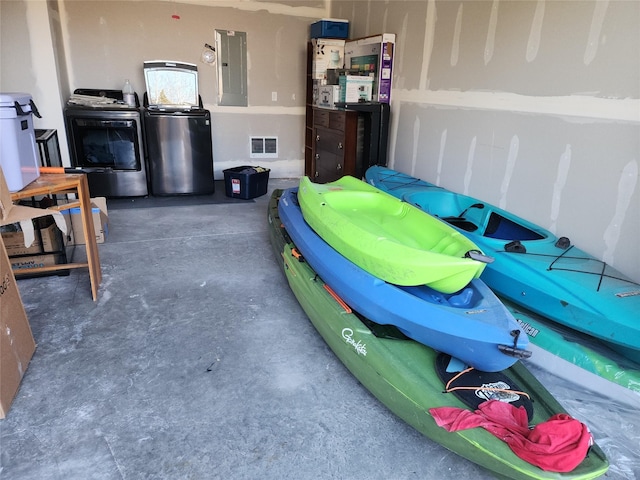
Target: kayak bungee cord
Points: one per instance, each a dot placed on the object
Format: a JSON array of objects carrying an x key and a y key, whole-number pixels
[{"x": 551, "y": 267}]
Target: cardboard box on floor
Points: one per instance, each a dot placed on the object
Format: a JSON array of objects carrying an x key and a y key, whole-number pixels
[
  {"x": 46, "y": 241},
  {"x": 100, "y": 221},
  {"x": 10, "y": 213},
  {"x": 45, "y": 251},
  {"x": 16, "y": 341}
]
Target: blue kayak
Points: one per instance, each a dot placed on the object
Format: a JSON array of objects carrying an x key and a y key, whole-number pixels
[
  {"x": 532, "y": 267},
  {"x": 470, "y": 324}
]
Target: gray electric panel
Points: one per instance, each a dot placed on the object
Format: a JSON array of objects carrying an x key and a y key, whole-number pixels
[{"x": 231, "y": 48}]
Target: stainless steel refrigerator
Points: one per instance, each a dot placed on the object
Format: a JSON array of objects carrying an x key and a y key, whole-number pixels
[{"x": 179, "y": 151}]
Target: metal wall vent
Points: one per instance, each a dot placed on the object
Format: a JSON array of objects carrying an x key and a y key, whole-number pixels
[{"x": 264, "y": 147}]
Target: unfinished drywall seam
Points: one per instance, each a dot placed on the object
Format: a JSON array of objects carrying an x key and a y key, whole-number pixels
[
  {"x": 368, "y": 17},
  {"x": 455, "y": 45},
  {"x": 280, "y": 60},
  {"x": 401, "y": 43},
  {"x": 491, "y": 32},
  {"x": 470, "y": 158},
  {"x": 270, "y": 7},
  {"x": 443, "y": 143},
  {"x": 561, "y": 179},
  {"x": 584, "y": 108},
  {"x": 416, "y": 142},
  {"x": 533, "y": 45},
  {"x": 429, "y": 32},
  {"x": 385, "y": 16},
  {"x": 42, "y": 56},
  {"x": 396, "y": 108},
  {"x": 514, "y": 146},
  {"x": 626, "y": 188},
  {"x": 599, "y": 12},
  {"x": 66, "y": 42},
  {"x": 255, "y": 110}
]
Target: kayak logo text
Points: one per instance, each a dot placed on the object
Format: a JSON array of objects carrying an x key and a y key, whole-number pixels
[
  {"x": 528, "y": 329},
  {"x": 359, "y": 347},
  {"x": 497, "y": 391}
]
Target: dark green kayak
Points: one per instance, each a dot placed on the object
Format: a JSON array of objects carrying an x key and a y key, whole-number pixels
[{"x": 402, "y": 374}]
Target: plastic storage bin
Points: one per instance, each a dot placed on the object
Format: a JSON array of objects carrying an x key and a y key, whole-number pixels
[
  {"x": 18, "y": 151},
  {"x": 330, "y": 28},
  {"x": 246, "y": 181}
]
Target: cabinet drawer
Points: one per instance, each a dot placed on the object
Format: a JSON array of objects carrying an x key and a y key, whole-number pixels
[
  {"x": 329, "y": 141},
  {"x": 321, "y": 117},
  {"x": 337, "y": 120}
]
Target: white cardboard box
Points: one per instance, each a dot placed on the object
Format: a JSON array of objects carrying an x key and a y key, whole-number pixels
[
  {"x": 355, "y": 88},
  {"x": 374, "y": 55},
  {"x": 327, "y": 53},
  {"x": 328, "y": 95}
]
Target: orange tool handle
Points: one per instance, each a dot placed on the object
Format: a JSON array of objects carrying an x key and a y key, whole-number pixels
[{"x": 51, "y": 169}]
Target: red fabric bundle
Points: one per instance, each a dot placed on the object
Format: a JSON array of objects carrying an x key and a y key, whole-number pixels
[{"x": 557, "y": 445}]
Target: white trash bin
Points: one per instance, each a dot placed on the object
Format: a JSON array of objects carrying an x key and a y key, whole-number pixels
[{"x": 18, "y": 149}]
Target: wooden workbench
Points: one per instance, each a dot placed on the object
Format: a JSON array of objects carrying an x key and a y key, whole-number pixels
[{"x": 63, "y": 183}]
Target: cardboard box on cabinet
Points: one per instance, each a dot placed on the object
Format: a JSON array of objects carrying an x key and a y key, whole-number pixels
[
  {"x": 328, "y": 53},
  {"x": 16, "y": 341},
  {"x": 373, "y": 55},
  {"x": 328, "y": 95},
  {"x": 355, "y": 88}
]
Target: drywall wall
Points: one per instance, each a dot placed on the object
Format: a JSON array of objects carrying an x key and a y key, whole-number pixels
[
  {"x": 531, "y": 105},
  {"x": 99, "y": 44},
  {"x": 29, "y": 32},
  {"x": 109, "y": 41}
]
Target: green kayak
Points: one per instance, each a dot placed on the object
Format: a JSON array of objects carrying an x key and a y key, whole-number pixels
[
  {"x": 388, "y": 238},
  {"x": 401, "y": 373}
]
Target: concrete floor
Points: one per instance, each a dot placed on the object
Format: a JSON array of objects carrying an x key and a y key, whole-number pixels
[{"x": 197, "y": 362}]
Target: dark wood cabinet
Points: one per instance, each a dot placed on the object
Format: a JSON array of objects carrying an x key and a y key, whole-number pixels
[
  {"x": 336, "y": 147},
  {"x": 342, "y": 141},
  {"x": 333, "y": 138}
]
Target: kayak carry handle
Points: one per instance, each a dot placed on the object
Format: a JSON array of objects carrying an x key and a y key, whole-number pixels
[
  {"x": 479, "y": 256},
  {"x": 514, "y": 351},
  {"x": 479, "y": 206},
  {"x": 519, "y": 353}
]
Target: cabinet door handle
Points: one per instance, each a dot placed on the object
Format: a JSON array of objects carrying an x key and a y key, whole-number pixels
[
  {"x": 338, "y": 167},
  {"x": 317, "y": 156},
  {"x": 340, "y": 145},
  {"x": 317, "y": 138},
  {"x": 317, "y": 174}
]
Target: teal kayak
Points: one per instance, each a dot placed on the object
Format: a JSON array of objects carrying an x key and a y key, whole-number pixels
[
  {"x": 578, "y": 358},
  {"x": 532, "y": 267},
  {"x": 388, "y": 238},
  {"x": 402, "y": 374}
]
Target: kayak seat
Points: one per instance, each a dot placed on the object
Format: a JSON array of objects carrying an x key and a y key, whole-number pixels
[
  {"x": 463, "y": 298},
  {"x": 447, "y": 245},
  {"x": 461, "y": 223}
]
